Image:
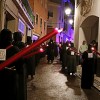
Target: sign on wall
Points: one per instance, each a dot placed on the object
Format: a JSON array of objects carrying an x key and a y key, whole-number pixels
[{"x": 21, "y": 26}]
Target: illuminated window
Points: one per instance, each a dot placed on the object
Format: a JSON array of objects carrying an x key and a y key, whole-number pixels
[{"x": 21, "y": 26}]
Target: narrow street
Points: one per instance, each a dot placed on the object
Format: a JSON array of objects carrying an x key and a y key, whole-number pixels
[{"x": 50, "y": 84}]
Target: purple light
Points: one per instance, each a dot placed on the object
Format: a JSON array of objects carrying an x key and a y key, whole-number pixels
[
  {"x": 67, "y": 1},
  {"x": 21, "y": 26},
  {"x": 34, "y": 37}
]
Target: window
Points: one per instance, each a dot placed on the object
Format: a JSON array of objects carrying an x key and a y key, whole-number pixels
[
  {"x": 40, "y": 22},
  {"x": 50, "y": 14},
  {"x": 44, "y": 25},
  {"x": 36, "y": 19},
  {"x": 21, "y": 26}
]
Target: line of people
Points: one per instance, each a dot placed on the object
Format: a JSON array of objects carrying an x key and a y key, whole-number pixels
[
  {"x": 51, "y": 51},
  {"x": 13, "y": 78},
  {"x": 22, "y": 68},
  {"x": 88, "y": 61},
  {"x": 68, "y": 57}
]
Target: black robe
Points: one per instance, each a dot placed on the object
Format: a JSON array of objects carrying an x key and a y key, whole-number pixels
[
  {"x": 8, "y": 78},
  {"x": 87, "y": 77}
]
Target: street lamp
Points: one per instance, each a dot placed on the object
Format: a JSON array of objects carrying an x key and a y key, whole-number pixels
[
  {"x": 69, "y": 24},
  {"x": 68, "y": 11},
  {"x": 70, "y": 21}
]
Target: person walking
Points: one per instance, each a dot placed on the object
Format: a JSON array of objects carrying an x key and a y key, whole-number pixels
[
  {"x": 50, "y": 51},
  {"x": 82, "y": 49}
]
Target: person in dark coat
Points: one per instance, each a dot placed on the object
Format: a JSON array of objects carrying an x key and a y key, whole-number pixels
[
  {"x": 60, "y": 51},
  {"x": 22, "y": 78},
  {"x": 87, "y": 77},
  {"x": 50, "y": 51},
  {"x": 8, "y": 84},
  {"x": 30, "y": 62},
  {"x": 18, "y": 40},
  {"x": 55, "y": 49},
  {"x": 94, "y": 45},
  {"x": 71, "y": 60},
  {"x": 64, "y": 55}
]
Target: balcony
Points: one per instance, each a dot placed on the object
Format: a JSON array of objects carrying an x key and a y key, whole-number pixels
[{"x": 25, "y": 11}]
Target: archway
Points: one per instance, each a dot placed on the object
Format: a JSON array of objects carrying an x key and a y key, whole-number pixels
[{"x": 90, "y": 28}]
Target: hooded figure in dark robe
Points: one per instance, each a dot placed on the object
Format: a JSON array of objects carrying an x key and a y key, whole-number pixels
[{"x": 8, "y": 83}]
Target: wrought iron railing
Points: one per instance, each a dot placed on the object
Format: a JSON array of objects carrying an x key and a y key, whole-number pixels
[{"x": 28, "y": 9}]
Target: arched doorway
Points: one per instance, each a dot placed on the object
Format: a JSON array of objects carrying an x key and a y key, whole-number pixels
[{"x": 90, "y": 28}]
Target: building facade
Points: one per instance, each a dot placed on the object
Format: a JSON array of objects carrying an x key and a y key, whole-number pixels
[
  {"x": 69, "y": 27},
  {"x": 39, "y": 8},
  {"x": 14, "y": 15},
  {"x": 87, "y": 27},
  {"x": 87, "y": 22},
  {"x": 56, "y": 18}
]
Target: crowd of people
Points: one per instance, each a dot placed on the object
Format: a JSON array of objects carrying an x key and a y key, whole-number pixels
[
  {"x": 69, "y": 58},
  {"x": 13, "y": 78}
]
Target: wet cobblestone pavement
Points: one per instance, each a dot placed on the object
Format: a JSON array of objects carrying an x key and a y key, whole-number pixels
[{"x": 50, "y": 84}]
